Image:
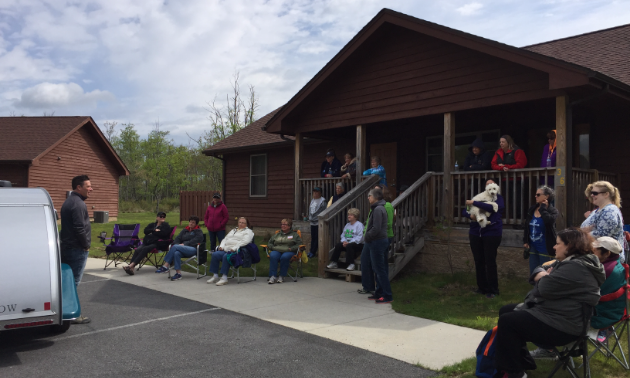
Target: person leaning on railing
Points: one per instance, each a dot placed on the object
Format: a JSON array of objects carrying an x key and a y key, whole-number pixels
[
  {"x": 478, "y": 158},
  {"x": 349, "y": 169},
  {"x": 282, "y": 246},
  {"x": 508, "y": 156},
  {"x": 377, "y": 169},
  {"x": 539, "y": 235}
]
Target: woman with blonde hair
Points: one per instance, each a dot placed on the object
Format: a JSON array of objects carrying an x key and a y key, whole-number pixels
[
  {"x": 607, "y": 220},
  {"x": 350, "y": 241}
]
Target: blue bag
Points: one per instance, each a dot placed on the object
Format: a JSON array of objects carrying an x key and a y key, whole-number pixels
[{"x": 485, "y": 356}]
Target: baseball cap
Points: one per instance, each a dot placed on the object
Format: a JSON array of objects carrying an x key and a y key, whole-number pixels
[
  {"x": 317, "y": 189},
  {"x": 216, "y": 195},
  {"x": 608, "y": 244},
  {"x": 330, "y": 153}
]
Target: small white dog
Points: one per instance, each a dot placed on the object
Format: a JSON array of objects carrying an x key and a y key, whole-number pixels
[{"x": 488, "y": 196}]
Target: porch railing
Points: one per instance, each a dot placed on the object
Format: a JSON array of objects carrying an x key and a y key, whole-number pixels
[
  {"x": 579, "y": 202},
  {"x": 328, "y": 189},
  {"x": 413, "y": 208}
]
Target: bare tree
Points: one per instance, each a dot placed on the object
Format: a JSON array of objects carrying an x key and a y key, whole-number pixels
[
  {"x": 110, "y": 130},
  {"x": 51, "y": 114}
]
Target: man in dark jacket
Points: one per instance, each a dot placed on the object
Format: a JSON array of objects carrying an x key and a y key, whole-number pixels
[
  {"x": 374, "y": 255},
  {"x": 331, "y": 167},
  {"x": 76, "y": 231},
  {"x": 156, "y": 236},
  {"x": 478, "y": 159},
  {"x": 184, "y": 245}
]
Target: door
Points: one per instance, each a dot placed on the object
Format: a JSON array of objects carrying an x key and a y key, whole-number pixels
[{"x": 388, "y": 153}]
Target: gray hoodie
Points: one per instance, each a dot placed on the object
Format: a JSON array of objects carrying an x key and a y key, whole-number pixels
[
  {"x": 557, "y": 298},
  {"x": 377, "y": 225}
]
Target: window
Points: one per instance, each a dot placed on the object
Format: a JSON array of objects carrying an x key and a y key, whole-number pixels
[
  {"x": 258, "y": 175},
  {"x": 435, "y": 147}
]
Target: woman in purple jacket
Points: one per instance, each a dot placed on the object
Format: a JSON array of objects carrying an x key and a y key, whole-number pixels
[{"x": 484, "y": 243}]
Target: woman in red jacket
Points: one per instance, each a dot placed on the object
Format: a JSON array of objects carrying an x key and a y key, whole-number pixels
[
  {"x": 215, "y": 220},
  {"x": 508, "y": 156}
]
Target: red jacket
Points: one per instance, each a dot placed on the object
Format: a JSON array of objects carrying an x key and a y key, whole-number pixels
[
  {"x": 216, "y": 217},
  {"x": 519, "y": 156}
]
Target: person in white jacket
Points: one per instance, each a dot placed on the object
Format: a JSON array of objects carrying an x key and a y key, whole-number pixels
[
  {"x": 350, "y": 241},
  {"x": 235, "y": 239}
]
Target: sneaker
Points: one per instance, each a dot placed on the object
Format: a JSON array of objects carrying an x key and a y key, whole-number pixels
[
  {"x": 162, "y": 269},
  {"x": 280, "y": 280},
  {"x": 363, "y": 291},
  {"x": 332, "y": 265},
  {"x": 383, "y": 300},
  {"x": 602, "y": 335},
  {"x": 81, "y": 320},
  {"x": 372, "y": 297},
  {"x": 350, "y": 267},
  {"x": 222, "y": 282},
  {"x": 272, "y": 280},
  {"x": 212, "y": 280},
  {"x": 176, "y": 277},
  {"x": 543, "y": 354}
]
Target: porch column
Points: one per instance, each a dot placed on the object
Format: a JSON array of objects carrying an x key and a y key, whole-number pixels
[
  {"x": 563, "y": 177},
  {"x": 361, "y": 152},
  {"x": 449, "y": 161},
  {"x": 297, "y": 203}
]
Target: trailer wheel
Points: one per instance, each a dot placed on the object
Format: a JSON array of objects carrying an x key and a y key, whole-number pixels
[{"x": 60, "y": 328}]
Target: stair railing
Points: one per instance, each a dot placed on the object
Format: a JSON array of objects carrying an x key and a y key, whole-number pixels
[{"x": 412, "y": 208}]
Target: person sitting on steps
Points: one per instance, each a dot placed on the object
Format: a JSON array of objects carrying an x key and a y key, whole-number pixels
[{"x": 350, "y": 241}]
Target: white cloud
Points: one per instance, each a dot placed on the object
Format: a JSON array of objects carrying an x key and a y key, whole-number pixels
[
  {"x": 469, "y": 9},
  {"x": 49, "y": 95}
]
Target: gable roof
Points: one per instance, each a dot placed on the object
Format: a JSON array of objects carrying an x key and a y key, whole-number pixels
[
  {"x": 605, "y": 51},
  {"x": 27, "y": 139},
  {"x": 248, "y": 137}
]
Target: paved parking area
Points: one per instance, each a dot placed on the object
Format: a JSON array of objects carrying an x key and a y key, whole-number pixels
[{"x": 140, "y": 332}]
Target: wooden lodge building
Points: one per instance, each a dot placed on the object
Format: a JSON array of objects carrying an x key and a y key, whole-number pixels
[
  {"x": 48, "y": 152},
  {"x": 416, "y": 94}
]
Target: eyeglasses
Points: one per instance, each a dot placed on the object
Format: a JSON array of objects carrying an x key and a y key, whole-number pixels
[
  {"x": 539, "y": 194},
  {"x": 161, "y": 216},
  {"x": 369, "y": 195},
  {"x": 593, "y": 193},
  {"x": 284, "y": 224}
]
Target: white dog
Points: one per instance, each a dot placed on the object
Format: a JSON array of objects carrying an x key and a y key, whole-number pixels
[{"x": 488, "y": 196}]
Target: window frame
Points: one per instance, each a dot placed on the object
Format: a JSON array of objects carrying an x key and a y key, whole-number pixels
[{"x": 251, "y": 158}]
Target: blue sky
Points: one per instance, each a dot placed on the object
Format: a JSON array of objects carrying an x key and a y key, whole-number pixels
[{"x": 163, "y": 60}]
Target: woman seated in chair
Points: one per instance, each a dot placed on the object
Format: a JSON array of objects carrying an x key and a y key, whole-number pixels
[
  {"x": 552, "y": 313},
  {"x": 283, "y": 245},
  {"x": 184, "y": 245},
  {"x": 235, "y": 239},
  {"x": 609, "y": 312},
  {"x": 350, "y": 241}
]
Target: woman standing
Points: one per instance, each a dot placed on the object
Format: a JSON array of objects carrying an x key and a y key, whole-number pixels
[
  {"x": 607, "y": 220},
  {"x": 215, "y": 220},
  {"x": 235, "y": 239},
  {"x": 508, "y": 156},
  {"x": 540, "y": 230},
  {"x": 484, "y": 243}
]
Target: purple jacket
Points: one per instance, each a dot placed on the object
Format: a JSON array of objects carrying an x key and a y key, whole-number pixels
[
  {"x": 495, "y": 228},
  {"x": 543, "y": 158}
]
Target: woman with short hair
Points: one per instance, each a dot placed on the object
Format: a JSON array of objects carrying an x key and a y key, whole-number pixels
[
  {"x": 235, "y": 239},
  {"x": 607, "y": 220},
  {"x": 282, "y": 246},
  {"x": 349, "y": 169},
  {"x": 350, "y": 241},
  {"x": 184, "y": 245},
  {"x": 539, "y": 234},
  {"x": 377, "y": 169}
]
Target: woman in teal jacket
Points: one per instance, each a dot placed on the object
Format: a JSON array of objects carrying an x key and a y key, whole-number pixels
[{"x": 610, "y": 312}]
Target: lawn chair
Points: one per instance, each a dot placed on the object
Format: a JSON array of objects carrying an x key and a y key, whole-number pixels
[
  {"x": 578, "y": 348},
  {"x": 197, "y": 261},
  {"x": 156, "y": 256},
  {"x": 618, "y": 329},
  {"x": 124, "y": 240},
  {"x": 237, "y": 271},
  {"x": 296, "y": 261}
]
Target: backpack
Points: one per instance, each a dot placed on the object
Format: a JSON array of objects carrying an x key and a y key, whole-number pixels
[{"x": 485, "y": 356}]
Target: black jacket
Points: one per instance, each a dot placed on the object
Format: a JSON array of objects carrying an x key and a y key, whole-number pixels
[
  {"x": 189, "y": 238},
  {"x": 334, "y": 167},
  {"x": 481, "y": 162},
  {"x": 152, "y": 237},
  {"x": 76, "y": 231},
  {"x": 548, "y": 216}
]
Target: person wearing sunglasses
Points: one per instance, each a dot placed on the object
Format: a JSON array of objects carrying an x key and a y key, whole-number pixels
[
  {"x": 607, "y": 220},
  {"x": 156, "y": 236},
  {"x": 539, "y": 235}
]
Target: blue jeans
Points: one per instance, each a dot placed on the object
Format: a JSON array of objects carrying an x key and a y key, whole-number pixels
[
  {"x": 536, "y": 258},
  {"x": 377, "y": 267},
  {"x": 177, "y": 252},
  {"x": 213, "y": 236},
  {"x": 215, "y": 260},
  {"x": 76, "y": 259},
  {"x": 284, "y": 258}
]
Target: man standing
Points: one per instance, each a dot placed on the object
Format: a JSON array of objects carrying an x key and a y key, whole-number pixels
[
  {"x": 76, "y": 231},
  {"x": 215, "y": 220}
]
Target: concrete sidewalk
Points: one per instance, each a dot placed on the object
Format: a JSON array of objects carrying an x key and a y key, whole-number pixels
[{"x": 324, "y": 307}]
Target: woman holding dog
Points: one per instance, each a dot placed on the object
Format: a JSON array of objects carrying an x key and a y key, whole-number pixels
[
  {"x": 539, "y": 236},
  {"x": 484, "y": 243}
]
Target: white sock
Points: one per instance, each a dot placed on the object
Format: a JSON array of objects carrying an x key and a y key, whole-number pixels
[
  {"x": 215, "y": 276},
  {"x": 224, "y": 277}
]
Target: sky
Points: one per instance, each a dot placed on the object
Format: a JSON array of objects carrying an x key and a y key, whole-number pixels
[{"x": 151, "y": 61}]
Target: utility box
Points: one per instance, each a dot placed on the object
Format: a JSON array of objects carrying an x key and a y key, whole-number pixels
[{"x": 101, "y": 217}]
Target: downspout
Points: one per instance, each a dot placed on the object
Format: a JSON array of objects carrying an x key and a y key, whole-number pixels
[{"x": 222, "y": 176}]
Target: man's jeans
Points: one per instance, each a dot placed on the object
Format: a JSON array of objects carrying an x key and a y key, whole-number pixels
[
  {"x": 285, "y": 260},
  {"x": 213, "y": 236},
  {"x": 374, "y": 263},
  {"x": 218, "y": 257},
  {"x": 176, "y": 253},
  {"x": 76, "y": 259}
]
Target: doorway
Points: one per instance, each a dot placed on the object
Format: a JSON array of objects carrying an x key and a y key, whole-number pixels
[{"x": 388, "y": 153}]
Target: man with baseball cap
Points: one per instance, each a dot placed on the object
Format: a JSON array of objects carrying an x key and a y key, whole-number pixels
[
  {"x": 609, "y": 312},
  {"x": 318, "y": 204}
]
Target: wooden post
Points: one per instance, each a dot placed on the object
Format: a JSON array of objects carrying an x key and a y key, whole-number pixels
[
  {"x": 297, "y": 203},
  {"x": 562, "y": 161},
  {"x": 361, "y": 152},
  {"x": 449, "y": 161},
  {"x": 322, "y": 250}
]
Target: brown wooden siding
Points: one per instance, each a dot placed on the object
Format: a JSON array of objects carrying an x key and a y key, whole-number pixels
[
  {"x": 16, "y": 173},
  {"x": 80, "y": 154},
  {"x": 413, "y": 75}
]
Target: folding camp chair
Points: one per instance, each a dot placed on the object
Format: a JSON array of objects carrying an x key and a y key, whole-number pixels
[
  {"x": 197, "y": 261},
  {"x": 156, "y": 256},
  {"x": 578, "y": 348},
  {"x": 296, "y": 261},
  {"x": 618, "y": 329},
  {"x": 237, "y": 271},
  {"x": 124, "y": 240}
]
